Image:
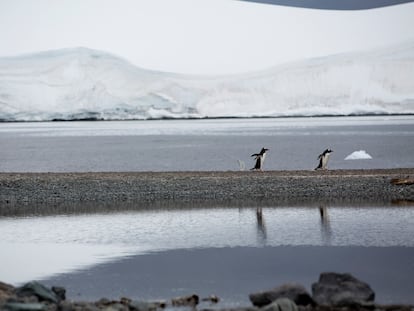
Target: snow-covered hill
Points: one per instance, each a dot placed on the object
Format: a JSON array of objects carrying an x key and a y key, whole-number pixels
[{"x": 82, "y": 83}]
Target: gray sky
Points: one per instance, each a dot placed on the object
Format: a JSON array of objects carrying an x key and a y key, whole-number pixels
[{"x": 198, "y": 36}]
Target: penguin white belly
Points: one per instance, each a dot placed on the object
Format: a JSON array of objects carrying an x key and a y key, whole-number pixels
[{"x": 325, "y": 161}]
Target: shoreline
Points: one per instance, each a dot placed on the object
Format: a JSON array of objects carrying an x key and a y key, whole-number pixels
[
  {"x": 21, "y": 192},
  {"x": 96, "y": 119},
  {"x": 180, "y": 273}
]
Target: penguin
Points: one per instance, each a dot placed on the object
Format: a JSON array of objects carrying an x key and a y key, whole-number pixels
[
  {"x": 259, "y": 157},
  {"x": 323, "y": 159}
]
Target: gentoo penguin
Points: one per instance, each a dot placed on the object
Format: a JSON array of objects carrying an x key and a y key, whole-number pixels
[
  {"x": 323, "y": 159},
  {"x": 259, "y": 157}
]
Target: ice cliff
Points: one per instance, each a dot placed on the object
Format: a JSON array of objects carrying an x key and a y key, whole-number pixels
[{"x": 82, "y": 83}]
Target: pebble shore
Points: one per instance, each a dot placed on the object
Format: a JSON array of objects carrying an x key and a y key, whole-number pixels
[
  {"x": 332, "y": 292},
  {"x": 231, "y": 188}
]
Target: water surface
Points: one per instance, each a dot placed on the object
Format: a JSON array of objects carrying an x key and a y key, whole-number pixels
[
  {"x": 211, "y": 145},
  {"x": 230, "y": 252}
]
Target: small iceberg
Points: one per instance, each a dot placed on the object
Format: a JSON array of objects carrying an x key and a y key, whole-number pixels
[{"x": 358, "y": 155}]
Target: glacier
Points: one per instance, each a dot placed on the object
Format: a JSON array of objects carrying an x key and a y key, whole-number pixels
[{"x": 86, "y": 84}]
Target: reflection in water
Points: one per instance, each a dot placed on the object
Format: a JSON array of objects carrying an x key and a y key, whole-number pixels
[
  {"x": 112, "y": 235},
  {"x": 325, "y": 225},
  {"x": 261, "y": 227},
  {"x": 186, "y": 228}
]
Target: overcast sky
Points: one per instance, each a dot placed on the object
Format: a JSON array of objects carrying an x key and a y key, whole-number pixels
[{"x": 198, "y": 36}]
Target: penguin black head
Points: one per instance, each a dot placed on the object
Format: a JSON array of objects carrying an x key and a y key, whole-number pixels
[
  {"x": 261, "y": 153},
  {"x": 263, "y": 150}
]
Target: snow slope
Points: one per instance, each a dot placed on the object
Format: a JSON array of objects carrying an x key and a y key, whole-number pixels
[{"x": 87, "y": 84}]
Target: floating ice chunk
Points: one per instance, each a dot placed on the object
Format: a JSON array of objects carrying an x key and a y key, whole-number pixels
[{"x": 358, "y": 155}]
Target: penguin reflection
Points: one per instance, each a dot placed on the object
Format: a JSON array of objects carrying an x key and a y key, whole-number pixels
[
  {"x": 261, "y": 227},
  {"x": 325, "y": 225}
]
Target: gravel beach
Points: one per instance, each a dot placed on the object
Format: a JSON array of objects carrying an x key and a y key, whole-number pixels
[
  {"x": 64, "y": 193},
  {"x": 56, "y": 192}
]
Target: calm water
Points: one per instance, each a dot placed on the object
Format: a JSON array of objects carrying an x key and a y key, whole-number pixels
[
  {"x": 231, "y": 252},
  {"x": 177, "y": 145},
  {"x": 235, "y": 251}
]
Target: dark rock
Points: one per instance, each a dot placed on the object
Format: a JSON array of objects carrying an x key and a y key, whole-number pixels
[
  {"x": 112, "y": 305},
  {"x": 145, "y": 306},
  {"x": 66, "y": 306},
  {"x": 103, "y": 302},
  {"x": 233, "y": 309},
  {"x": 125, "y": 300},
  {"x": 341, "y": 289},
  {"x": 294, "y": 292},
  {"x": 394, "y": 307},
  {"x": 211, "y": 298},
  {"x": 281, "y": 304},
  {"x": 189, "y": 301},
  {"x": 6, "y": 287},
  {"x": 116, "y": 306},
  {"x": 78, "y": 306},
  {"x": 18, "y": 306},
  {"x": 60, "y": 292},
  {"x": 6, "y": 291},
  {"x": 36, "y": 289}
]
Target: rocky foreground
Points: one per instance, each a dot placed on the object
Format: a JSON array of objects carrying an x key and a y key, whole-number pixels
[
  {"x": 332, "y": 291},
  {"x": 21, "y": 192}
]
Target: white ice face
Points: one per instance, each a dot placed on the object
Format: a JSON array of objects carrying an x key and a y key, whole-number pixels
[{"x": 83, "y": 83}]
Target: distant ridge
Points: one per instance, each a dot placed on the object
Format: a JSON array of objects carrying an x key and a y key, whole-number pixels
[{"x": 334, "y": 4}]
